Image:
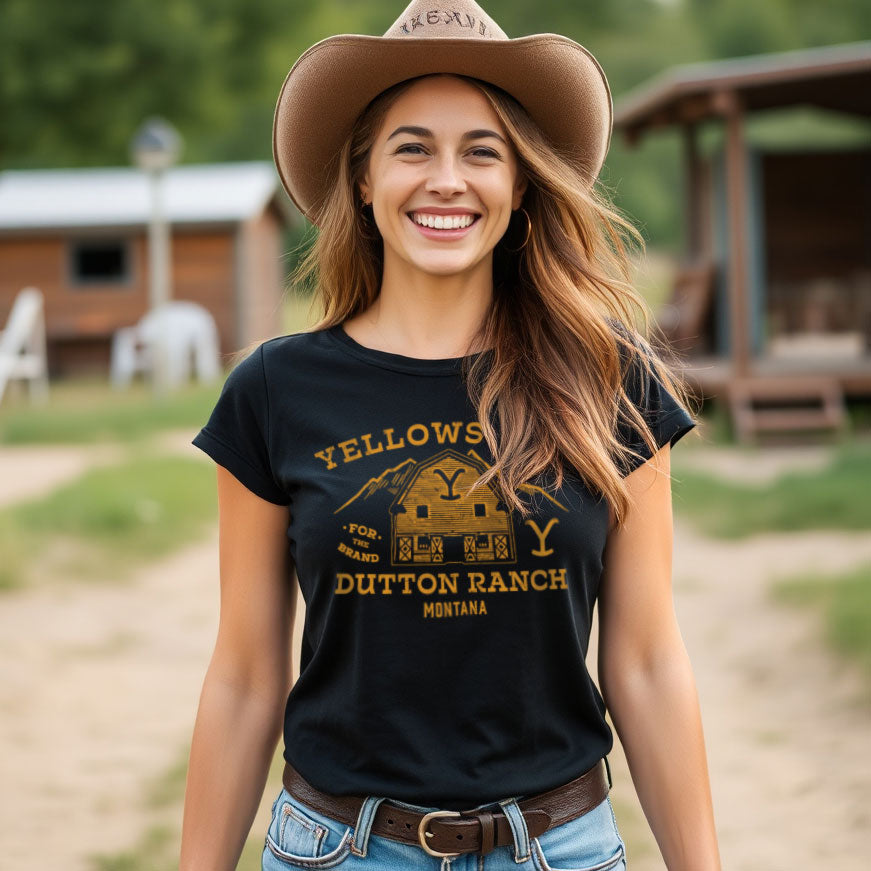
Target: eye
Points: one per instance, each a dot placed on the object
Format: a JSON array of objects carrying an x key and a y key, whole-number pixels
[{"x": 479, "y": 152}]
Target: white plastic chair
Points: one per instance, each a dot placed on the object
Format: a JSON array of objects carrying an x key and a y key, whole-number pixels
[
  {"x": 186, "y": 333},
  {"x": 22, "y": 345}
]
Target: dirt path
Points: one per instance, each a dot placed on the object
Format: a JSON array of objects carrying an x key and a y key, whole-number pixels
[
  {"x": 27, "y": 472},
  {"x": 98, "y": 695},
  {"x": 787, "y": 725},
  {"x": 99, "y": 687}
]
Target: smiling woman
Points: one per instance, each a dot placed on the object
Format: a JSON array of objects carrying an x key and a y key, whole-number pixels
[
  {"x": 417, "y": 177},
  {"x": 459, "y": 463}
]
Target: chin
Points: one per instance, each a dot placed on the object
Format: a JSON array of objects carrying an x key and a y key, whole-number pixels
[{"x": 442, "y": 268}]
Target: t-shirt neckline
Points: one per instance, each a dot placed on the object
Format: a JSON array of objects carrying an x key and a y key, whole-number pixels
[{"x": 399, "y": 362}]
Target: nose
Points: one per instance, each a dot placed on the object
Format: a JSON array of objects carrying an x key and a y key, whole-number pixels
[{"x": 446, "y": 177}]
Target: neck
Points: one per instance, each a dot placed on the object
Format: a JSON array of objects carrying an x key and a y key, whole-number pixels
[{"x": 425, "y": 315}]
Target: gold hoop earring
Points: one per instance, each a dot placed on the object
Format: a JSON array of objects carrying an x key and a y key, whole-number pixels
[{"x": 528, "y": 233}]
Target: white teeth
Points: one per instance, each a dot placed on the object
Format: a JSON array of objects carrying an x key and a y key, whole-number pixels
[{"x": 444, "y": 222}]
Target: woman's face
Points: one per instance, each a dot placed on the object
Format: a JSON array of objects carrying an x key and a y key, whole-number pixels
[{"x": 442, "y": 151}]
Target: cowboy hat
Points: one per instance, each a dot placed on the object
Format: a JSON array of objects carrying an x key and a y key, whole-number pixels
[{"x": 560, "y": 84}]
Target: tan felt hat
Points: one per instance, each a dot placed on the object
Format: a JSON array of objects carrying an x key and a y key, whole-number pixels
[{"x": 558, "y": 81}]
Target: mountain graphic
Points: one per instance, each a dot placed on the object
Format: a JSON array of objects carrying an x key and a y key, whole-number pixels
[{"x": 393, "y": 481}]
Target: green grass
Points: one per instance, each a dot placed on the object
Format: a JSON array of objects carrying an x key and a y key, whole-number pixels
[
  {"x": 845, "y": 601},
  {"x": 107, "y": 521},
  {"x": 834, "y": 498},
  {"x": 87, "y": 410}
]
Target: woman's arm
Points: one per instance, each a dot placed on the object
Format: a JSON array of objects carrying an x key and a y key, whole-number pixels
[
  {"x": 238, "y": 723},
  {"x": 647, "y": 680}
]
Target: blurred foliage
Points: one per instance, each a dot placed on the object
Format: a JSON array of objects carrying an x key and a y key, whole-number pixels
[{"x": 77, "y": 79}]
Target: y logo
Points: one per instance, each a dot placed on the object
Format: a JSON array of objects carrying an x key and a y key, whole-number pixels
[
  {"x": 451, "y": 496},
  {"x": 542, "y": 535}
]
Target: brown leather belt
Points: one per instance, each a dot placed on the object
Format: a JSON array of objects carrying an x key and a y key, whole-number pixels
[{"x": 479, "y": 831}]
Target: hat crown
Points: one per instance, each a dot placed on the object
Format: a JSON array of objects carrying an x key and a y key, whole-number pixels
[{"x": 464, "y": 19}]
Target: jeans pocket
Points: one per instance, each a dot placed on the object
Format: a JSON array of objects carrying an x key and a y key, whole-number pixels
[
  {"x": 301, "y": 837},
  {"x": 587, "y": 843}
]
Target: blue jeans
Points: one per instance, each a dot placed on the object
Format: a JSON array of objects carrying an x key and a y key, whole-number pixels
[{"x": 300, "y": 837}]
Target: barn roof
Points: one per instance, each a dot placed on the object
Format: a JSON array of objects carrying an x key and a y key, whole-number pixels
[
  {"x": 836, "y": 77},
  {"x": 120, "y": 196}
]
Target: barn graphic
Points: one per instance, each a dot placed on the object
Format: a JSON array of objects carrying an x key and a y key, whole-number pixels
[{"x": 431, "y": 522}]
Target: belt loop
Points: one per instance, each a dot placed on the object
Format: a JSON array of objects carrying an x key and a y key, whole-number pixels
[
  {"x": 608, "y": 769},
  {"x": 363, "y": 826},
  {"x": 517, "y": 822}
]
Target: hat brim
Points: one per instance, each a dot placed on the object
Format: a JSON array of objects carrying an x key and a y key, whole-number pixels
[{"x": 558, "y": 81}]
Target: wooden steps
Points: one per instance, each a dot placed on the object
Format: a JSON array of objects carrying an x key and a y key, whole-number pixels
[{"x": 786, "y": 405}]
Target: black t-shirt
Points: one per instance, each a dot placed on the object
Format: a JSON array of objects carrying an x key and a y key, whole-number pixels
[{"x": 443, "y": 656}]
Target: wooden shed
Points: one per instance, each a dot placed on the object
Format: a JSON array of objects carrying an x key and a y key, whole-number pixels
[
  {"x": 772, "y": 299},
  {"x": 81, "y": 237}
]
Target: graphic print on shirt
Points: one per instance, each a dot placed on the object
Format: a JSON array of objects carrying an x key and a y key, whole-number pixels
[{"x": 448, "y": 550}]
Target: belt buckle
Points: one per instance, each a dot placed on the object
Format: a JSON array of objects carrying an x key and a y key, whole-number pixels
[{"x": 423, "y": 834}]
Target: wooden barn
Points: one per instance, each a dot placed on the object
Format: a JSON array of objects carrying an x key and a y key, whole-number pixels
[
  {"x": 771, "y": 305},
  {"x": 432, "y": 524},
  {"x": 81, "y": 237}
]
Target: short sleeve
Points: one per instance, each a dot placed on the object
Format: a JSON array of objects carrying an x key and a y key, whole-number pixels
[
  {"x": 668, "y": 420},
  {"x": 236, "y": 435}
]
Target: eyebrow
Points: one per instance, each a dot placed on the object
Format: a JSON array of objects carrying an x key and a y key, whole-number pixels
[{"x": 424, "y": 133}]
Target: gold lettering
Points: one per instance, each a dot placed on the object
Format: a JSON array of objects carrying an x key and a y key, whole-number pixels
[
  {"x": 344, "y": 583},
  {"x": 558, "y": 584},
  {"x": 535, "y": 584},
  {"x": 344, "y": 447},
  {"x": 391, "y": 445},
  {"x": 426, "y": 583},
  {"x": 415, "y": 439},
  {"x": 462, "y": 608},
  {"x": 496, "y": 583},
  {"x": 369, "y": 449},
  {"x": 366, "y": 588},
  {"x": 519, "y": 580},
  {"x": 473, "y": 433},
  {"x": 360, "y": 556},
  {"x": 449, "y": 431},
  {"x": 327, "y": 456},
  {"x": 476, "y": 582}
]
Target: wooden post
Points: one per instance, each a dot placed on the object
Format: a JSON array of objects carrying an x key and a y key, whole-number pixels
[
  {"x": 692, "y": 192},
  {"x": 729, "y": 104}
]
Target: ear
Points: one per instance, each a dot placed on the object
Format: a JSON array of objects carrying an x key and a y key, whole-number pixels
[
  {"x": 519, "y": 191},
  {"x": 364, "y": 186}
]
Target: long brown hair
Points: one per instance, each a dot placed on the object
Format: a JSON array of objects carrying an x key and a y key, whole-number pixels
[{"x": 562, "y": 309}]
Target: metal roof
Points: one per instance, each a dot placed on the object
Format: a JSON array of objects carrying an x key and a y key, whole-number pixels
[
  {"x": 832, "y": 77},
  {"x": 116, "y": 196}
]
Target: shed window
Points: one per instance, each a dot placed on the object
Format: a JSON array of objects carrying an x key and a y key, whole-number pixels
[{"x": 99, "y": 262}]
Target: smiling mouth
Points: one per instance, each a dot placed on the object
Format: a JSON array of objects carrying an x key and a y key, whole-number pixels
[{"x": 475, "y": 219}]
